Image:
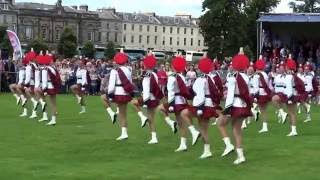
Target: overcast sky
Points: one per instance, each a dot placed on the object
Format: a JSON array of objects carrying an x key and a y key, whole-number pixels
[{"x": 161, "y": 7}]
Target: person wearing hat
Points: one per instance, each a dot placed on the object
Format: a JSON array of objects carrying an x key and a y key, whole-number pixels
[
  {"x": 238, "y": 101},
  {"x": 294, "y": 90},
  {"x": 51, "y": 83},
  {"x": 39, "y": 94},
  {"x": 20, "y": 88},
  {"x": 205, "y": 101},
  {"x": 31, "y": 80},
  {"x": 279, "y": 98},
  {"x": 300, "y": 74},
  {"x": 14, "y": 86},
  {"x": 79, "y": 88},
  {"x": 120, "y": 90},
  {"x": 311, "y": 87},
  {"x": 178, "y": 93},
  {"x": 264, "y": 93}
]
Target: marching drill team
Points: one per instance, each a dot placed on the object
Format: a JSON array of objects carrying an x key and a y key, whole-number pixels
[{"x": 247, "y": 90}]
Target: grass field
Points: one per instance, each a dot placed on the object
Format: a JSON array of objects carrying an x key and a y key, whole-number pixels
[{"x": 84, "y": 147}]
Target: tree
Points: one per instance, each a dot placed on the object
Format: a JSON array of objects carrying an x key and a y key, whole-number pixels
[
  {"x": 252, "y": 10},
  {"x": 67, "y": 46},
  {"x": 222, "y": 27},
  {"x": 110, "y": 50},
  {"x": 5, "y": 44},
  {"x": 228, "y": 25},
  {"x": 38, "y": 45},
  {"x": 88, "y": 50},
  {"x": 305, "y": 6}
]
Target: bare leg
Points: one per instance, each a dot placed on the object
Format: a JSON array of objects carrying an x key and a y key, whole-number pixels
[
  {"x": 185, "y": 114},
  {"x": 222, "y": 125},
  {"x": 204, "y": 126},
  {"x": 237, "y": 133},
  {"x": 144, "y": 119},
  {"x": 154, "y": 139},
  {"x": 53, "y": 102},
  {"x": 263, "y": 110},
  {"x": 292, "y": 114},
  {"x": 172, "y": 124},
  {"x": 123, "y": 121}
]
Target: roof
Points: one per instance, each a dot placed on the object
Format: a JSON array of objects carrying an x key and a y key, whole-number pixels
[
  {"x": 176, "y": 21},
  {"x": 138, "y": 18},
  {"x": 293, "y": 17}
]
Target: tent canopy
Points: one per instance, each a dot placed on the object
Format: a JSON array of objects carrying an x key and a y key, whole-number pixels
[{"x": 293, "y": 17}]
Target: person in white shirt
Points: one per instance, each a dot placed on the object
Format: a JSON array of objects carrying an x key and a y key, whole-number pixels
[
  {"x": 311, "y": 89},
  {"x": 178, "y": 93},
  {"x": 120, "y": 90},
  {"x": 204, "y": 102},
  {"x": 82, "y": 82},
  {"x": 238, "y": 101},
  {"x": 191, "y": 76}
]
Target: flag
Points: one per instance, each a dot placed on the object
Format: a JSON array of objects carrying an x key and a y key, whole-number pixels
[{"x": 15, "y": 43}]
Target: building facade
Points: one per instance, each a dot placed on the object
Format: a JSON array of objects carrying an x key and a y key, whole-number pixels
[{"x": 130, "y": 30}]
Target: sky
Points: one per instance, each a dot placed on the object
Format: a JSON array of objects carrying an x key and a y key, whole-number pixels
[{"x": 160, "y": 7}]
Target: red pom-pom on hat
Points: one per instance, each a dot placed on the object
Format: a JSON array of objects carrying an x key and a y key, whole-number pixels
[
  {"x": 291, "y": 64},
  {"x": 30, "y": 56},
  {"x": 240, "y": 62},
  {"x": 205, "y": 65},
  {"x": 121, "y": 58},
  {"x": 149, "y": 61},
  {"x": 179, "y": 64},
  {"x": 260, "y": 64},
  {"x": 307, "y": 66}
]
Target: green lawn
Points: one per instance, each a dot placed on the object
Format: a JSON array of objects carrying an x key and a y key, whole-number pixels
[{"x": 84, "y": 147}]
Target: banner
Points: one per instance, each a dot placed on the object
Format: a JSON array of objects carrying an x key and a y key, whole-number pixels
[{"x": 15, "y": 43}]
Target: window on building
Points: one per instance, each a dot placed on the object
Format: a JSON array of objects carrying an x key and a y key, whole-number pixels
[
  {"x": 90, "y": 36},
  {"x": 124, "y": 38},
  {"x": 107, "y": 36},
  {"x": 155, "y": 28},
  {"x": 140, "y": 39},
  {"x": 164, "y": 29},
  {"x": 5, "y": 19},
  {"x": 13, "y": 19},
  {"x": 199, "y": 42},
  {"x": 148, "y": 39},
  {"x": 148, "y": 28},
  {"x": 116, "y": 37},
  {"x": 140, "y": 28},
  {"x": 178, "y": 30},
  {"x": 5, "y": 7},
  {"x": 191, "y": 31},
  {"x": 44, "y": 32},
  {"x": 132, "y": 27},
  {"x": 156, "y": 40},
  {"x": 185, "y": 30},
  {"x": 99, "y": 36},
  {"x": 184, "y": 41},
  {"x": 170, "y": 40},
  {"x": 28, "y": 32},
  {"x": 164, "y": 41},
  {"x": 178, "y": 41},
  {"x": 171, "y": 29},
  {"x": 132, "y": 39},
  {"x": 108, "y": 26},
  {"x": 58, "y": 32},
  {"x": 191, "y": 42},
  {"x": 124, "y": 26}
]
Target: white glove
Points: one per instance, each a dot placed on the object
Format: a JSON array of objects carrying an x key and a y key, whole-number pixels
[
  {"x": 144, "y": 106},
  {"x": 83, "y": 89},
  {"x": 290, "y": 102},
  {"x": 171, "y": 108},
  {"x": 199, "y": 112}
]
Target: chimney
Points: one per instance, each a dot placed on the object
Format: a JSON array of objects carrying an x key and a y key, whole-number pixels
[
  {"x": 75, "y": 7},
  {"x": 84, "y": 8}
]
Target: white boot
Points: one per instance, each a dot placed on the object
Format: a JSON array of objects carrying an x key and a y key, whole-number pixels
[
  {"x": 299, "y": 108},
  {"x": 143, "y": 119},
  {"x": 183, "y": 145},
  {"x": 195, "y": 134},
  {"x": 293, "y": 132},
  {"x": 33, "y": 115},
  {"x": 172, "y": 124},
  {"x": 214, "y": 123},
  {"x": 24, "y": 113},
  {"x": 240, "y": 159},
  {"x": 124, "y": 134},
  {"x": 206, "y": 152},
  {"x": 154, "y": 139},
  {"x": 44, "y": 117},
  {"x": 113, "y": 115},
  {"x": 264, "y": 127},
  {"x": 308, "y": 107},
  {"x": 83, "y": 110},
  {"x": 244, "y": 125},
  {"x": 79, "y": 99},
  {"x": 117, "y": 112},
  {"x": 52, "y": 122},
  {"x": 43, "y": 104},
  {"x": 308, "y": 119},
  {"x": 283, "y": 115},
  {"x": 23, "y": 100},
  {"x": 18, "y": 98},
  {"x": 229, "y": 147}
]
